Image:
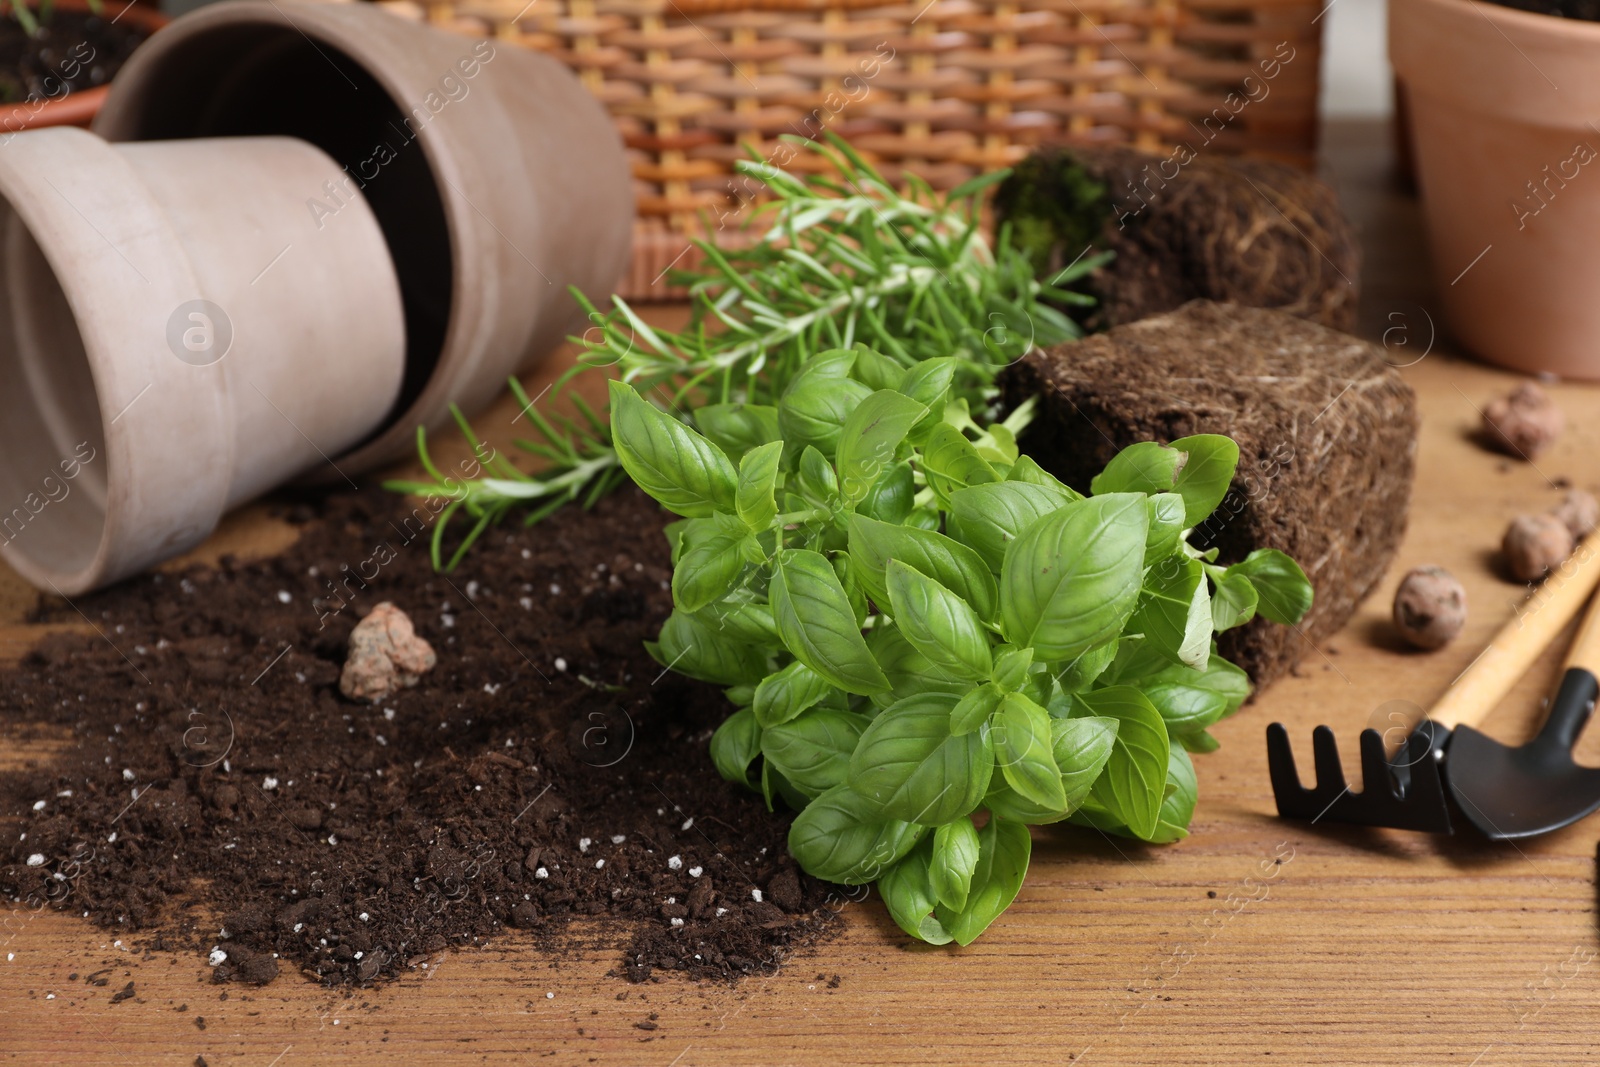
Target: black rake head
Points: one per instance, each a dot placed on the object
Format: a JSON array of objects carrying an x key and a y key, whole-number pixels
[{"x": 1405, "y": 792}]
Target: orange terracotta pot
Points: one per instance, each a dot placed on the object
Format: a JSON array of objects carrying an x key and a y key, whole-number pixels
[
  {"x": 77, "y": 108},
  {"x": 1501, "y": 105}
]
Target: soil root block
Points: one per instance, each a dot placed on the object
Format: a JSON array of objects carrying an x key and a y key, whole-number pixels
[
  {"x": 1185, "y": 226},
  {"x": 1327, "y": 437}
]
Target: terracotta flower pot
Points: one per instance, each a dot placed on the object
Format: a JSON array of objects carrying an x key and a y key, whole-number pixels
[
  {"x": 68, "y": 107},
  {"x": 497, "y": 178},
  {"x": 1508, "y": 162},
  {"x": 177, "y": 335}
]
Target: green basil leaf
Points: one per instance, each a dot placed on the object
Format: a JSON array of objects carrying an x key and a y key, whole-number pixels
[
  {"x": 938, "y": 623},
  {"x": 740, "y": 696},
  {"x": 818, "y": 623},
  {"x": 909, "y": 671},
  {"x": 974, "y": 709},
  {"x": 954, "y": 860},
  {"x": 871, "y": 435},
  {"x": 875, "y": 370},
  {"x": 813, "y": 412},
  {"x": 675, "y": 532},
  {"x": 1166, "y": 526},
  {"x": 1022, "y": 748},
  {"x": 950, "y": 462},
  {"x": 1234, "y": 602},
  {"x": 833, "y": 365},
  {"x": 756, "y": 497},
  {"x": 707, "y": 570},
  {"x": 735, "y": 745},
  {"x": 1206, "y": 474},
  {"x": 1133, "y": 783},
  {"x": 928, "y": 382},
  {"x": 908, "y": 894},
  {"x": 1028, "y": 472},
  {"x": 815, "y": 480},
  {"x": 746, "y": 621},
  {"x": 910, "y": 767},
  {"x": 785, "y": 694},
  {"x": 1283, "y": 588},
  {"x": 892, "y": 497},
  {"x": 684, "y": 472},
  {"x": 1178, "y": 806},
  {"x": 1147, "y": 467},
  {"x": 1003, "y": 851},
  {"x": 1136, "y": 659},
  {"x": 1082, "y": 747},
  {"x": 1071, "y": 580},
  {"x": 839, "y": 838},
  {"x": 813, "y": 750},
  {"x": 850, "y": 578},
  {"x": 947, "y": 561},
  {"x": 1083, "y": 669},
  {"x": 1191, "y": 700},
  {"x": 690, "y": 647},
  {"x": 990, "y": 517},
  {"x": 1011, "y": 668},
  {"x": 1174, "y": 612},
  {"x": 737, "y": 428},
  {"x": 1200, "y": 741},
  {"x": 1006, "y": 803}
]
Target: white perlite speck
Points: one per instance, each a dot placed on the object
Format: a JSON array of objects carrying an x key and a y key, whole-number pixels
[
  {"x": 689, "y": 822},
  {"x": 541, "y": 873},
  {"x": 695, "y": 872},
  {"x": 127, "y": 775},
  {"x": 36, "y": 860},
  {"x": 617, "y": 839},
  {"x": 283, "y": 596},
  {"x": 721, "y": 912},
  {"x": 677, "y": 922},
  {"x": 269, "y": 782},
  {"x": 584, "y": 843},
  {"x": 755, "y": 895},
  {"x": 217, "y": 956},
  {"x": 561, "y": 664},
  {"x": 599, "y": 864},
  {"x": 39, "y": 805},
  {"x": 675, "y": 863},
  {"x": 364, "y": 917}
]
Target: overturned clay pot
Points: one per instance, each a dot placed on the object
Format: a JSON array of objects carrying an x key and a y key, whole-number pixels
[
  {"x": 178, "y": 336},
  {"x": 497, "y": 179}
]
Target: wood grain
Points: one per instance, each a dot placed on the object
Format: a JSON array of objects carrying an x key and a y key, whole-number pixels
[{"x": 1358, "y": 947}]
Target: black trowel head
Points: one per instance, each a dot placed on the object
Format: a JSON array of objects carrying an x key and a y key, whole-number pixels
[{"x": 1535, "y": 788}]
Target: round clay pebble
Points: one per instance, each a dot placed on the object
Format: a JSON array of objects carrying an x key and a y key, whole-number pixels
[
  {"x": 1523, "y": 423},
  {"x": 1430, "y": 607},
  {"x": 1580, "y": 511},
  {"x": 1534, "y": 544}
]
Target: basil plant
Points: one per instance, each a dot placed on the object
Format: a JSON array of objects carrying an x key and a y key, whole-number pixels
[{"x": 933, "y": 644}]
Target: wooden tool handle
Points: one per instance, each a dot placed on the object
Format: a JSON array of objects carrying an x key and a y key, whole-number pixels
[
  {"x": 1585, "y": 650},
  {"x": 1538, "y": 621}
]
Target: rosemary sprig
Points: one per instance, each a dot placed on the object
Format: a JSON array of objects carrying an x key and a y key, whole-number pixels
[{"x": 834, "y": 259}]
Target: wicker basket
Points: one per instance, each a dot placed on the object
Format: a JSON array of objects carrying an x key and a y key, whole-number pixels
[{"x": 942, "y": 88}]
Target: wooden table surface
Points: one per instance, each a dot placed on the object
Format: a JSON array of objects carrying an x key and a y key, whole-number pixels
[{"x": 1358, "y": 947}]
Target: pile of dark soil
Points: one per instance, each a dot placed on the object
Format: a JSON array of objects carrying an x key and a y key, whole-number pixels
[
  {"x": 1184, "y": 226},
  {"x": 73, "y": 50},
  {"x": 218, "y": 792}
]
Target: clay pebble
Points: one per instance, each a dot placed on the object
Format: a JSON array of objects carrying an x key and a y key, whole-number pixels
[
  {"x": 386, "y": 655},
  {"x": 1524, "y": 422},
  {"x": 1430, "y": 607}
]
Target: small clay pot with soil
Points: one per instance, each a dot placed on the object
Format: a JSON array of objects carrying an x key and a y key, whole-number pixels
[
  {"x": 1501, "y": 103},
  {"x": 56, "y": 71}
]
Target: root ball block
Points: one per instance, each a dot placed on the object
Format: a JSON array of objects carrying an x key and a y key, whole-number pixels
[{"x": 1327, "y": 437}]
